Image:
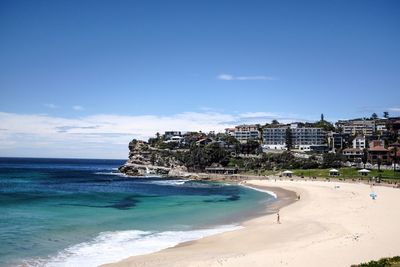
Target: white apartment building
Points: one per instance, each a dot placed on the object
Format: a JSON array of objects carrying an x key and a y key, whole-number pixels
[
  {"x": 359, "y": 142},
  {"x": 303, "y": 138},
  {"x": 246, "y": 132}
]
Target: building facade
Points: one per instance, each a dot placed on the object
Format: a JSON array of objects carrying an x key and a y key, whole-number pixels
[
  {"x": 338, "y": 140},
  {"x": 353, "y": 154},
  {"x": 303, "y": 138},
  {"x": 377, "y": 153},
  {"x": 247, "y": 132},
  {"x": 359, "y": 142},
  {"x": 357, "y": 126},
  {"x": 169, "y": 134}
]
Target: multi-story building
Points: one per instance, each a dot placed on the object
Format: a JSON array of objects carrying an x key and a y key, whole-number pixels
[
  {"x": 378, "y": 153},
  {"x": 380, "y": 125},
  {"x": 338, "y": 140},
  {"x": 169, "y": 134},
  {"x": 274, "y": 138},
  {"x": 357, "y": 126},
  {"x": 353, "y": 154},
  {"x": 393, "y": 125},
  {"x": 303, "y": 138},
  {"x": 247, "y": 132},
  {"x": 230, "y": 131},
  {"x": 359, "y": 142}
]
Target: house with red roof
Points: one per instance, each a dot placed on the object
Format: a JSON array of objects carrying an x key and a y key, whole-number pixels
[{"x": 377, "y": 152}]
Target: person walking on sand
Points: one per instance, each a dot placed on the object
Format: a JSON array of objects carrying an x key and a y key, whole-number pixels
[{"x": 278, "y": 218}]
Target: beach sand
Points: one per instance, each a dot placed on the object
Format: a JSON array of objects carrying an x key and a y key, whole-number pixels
[{"x": 328, "y": 226}]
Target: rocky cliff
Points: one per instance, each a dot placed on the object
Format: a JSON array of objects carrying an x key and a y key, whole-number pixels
[{"x": 145, "y": 160}]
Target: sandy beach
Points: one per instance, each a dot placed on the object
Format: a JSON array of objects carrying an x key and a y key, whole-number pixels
[{"x": 333, "y": 224}]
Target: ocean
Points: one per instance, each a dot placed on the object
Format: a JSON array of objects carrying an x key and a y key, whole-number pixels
[{"x": 82, "y": 212}]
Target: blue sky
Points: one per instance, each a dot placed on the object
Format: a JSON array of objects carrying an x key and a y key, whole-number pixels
[{"x": 81, "y": 78}]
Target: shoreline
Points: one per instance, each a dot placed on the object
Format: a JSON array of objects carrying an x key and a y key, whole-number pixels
[
  {"x": 334, "y": 224},
  {"x": 283, "y": 197}
]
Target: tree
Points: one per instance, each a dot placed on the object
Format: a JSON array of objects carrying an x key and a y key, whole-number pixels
[
  {"x": 289, "y": 139},
  {"x": 231, "y": 140},
  {"x": 322, "y": 116},
  {"x": 374, "y": 116},
  {"x": 251, "y": 147},
  {"x": 274, "y": 122},
  {"x": 386, "y": 114},
  {"x": 325, "y": 125},
  {"x": 379, "y": 162},
  {"x": 394, "y": 158},
  {"x": 332, "y": 160},
  {"x": 365, "y": 157}
]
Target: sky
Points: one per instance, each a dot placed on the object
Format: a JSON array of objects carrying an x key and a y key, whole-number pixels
[{"x": 82, "y": 78}]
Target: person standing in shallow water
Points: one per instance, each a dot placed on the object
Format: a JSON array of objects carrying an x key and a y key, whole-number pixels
[{"x": 278, "y": 217}]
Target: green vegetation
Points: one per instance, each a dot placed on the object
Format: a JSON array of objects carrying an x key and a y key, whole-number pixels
[
  {"x": 327, "y": 126},
  {"x": 200, "y": 157},
  {"x": 197, "y": 151},
  {"x": 345, "y": 173},
  {"x": 385, "y": 262},
  {"x": 289, "y": 139},
  {"x": 386, "y": 114}
]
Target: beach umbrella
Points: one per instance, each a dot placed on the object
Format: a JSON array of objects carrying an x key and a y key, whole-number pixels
[
  {"x": 333, "y": 172},
  {"x": 364, "y": 172},
  {"x": 287, "y": 173}
]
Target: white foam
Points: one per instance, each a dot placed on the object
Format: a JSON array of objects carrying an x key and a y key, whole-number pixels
[
  {"x": 110, "y": 247},
  {"x": 170, "y": 182},
  {"x": 261, "y": 190}
]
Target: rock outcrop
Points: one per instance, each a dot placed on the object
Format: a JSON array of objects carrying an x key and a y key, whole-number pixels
[{"x": 148, "y": 161}]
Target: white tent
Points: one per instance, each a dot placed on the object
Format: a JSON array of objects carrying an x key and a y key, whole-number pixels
[
  {"x": 333, "y": 172},
  {"x": 364, "y": 172},
  {"x": 287, "y": 173}
]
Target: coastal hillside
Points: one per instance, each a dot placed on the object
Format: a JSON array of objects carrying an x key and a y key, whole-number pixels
[
  {"x": 147, "y": 160},
  {"x": 318, "y": 147}
]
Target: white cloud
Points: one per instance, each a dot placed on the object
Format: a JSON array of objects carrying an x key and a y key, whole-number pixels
[
  {"x": 49, "y": 105},
  {"x": 259, "y": 114},
  {"x": 105, "y": 135},
  {"x": 394, "y": 109},
  {"x": 225, "y": 77},
  {"x": 77, "y": 108},
  {"x": 230, "y": 77}
]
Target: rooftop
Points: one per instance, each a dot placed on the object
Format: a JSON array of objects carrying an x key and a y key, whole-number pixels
[{"x": 378, "y": 148}]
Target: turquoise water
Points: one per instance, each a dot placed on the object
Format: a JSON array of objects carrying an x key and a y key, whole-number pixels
[{"x": 64, "y": 212}]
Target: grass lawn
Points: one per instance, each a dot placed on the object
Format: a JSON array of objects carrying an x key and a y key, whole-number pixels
[{"x": 347, "y": 173}]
